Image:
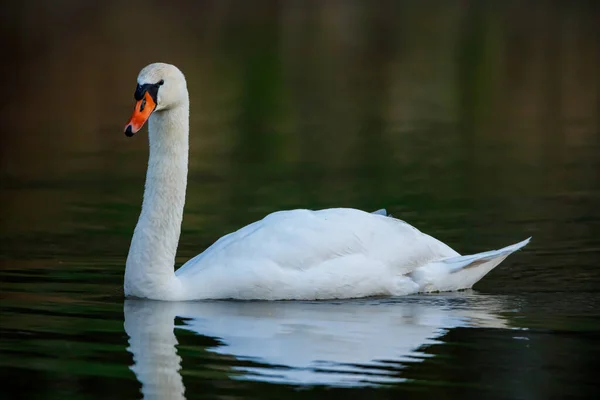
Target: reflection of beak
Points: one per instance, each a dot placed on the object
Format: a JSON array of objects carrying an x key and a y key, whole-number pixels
[{"x": 141, "y": 113}]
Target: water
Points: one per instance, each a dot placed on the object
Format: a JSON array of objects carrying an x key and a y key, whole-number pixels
[{"x": 477, "y": 123}]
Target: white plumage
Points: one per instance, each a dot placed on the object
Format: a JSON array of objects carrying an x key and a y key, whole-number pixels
[{"x": 297, "y": 254}]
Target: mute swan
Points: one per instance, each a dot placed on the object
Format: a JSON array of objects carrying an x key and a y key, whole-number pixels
[{"x": 297, "y": 254}]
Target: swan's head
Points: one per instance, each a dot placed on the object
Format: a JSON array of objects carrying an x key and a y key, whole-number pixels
[{"x": 160, "y": 86}]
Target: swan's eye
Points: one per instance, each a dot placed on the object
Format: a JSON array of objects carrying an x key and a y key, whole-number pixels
[
  {"x": 143, "y": 104},
  {"x": 161, "y": 82}
]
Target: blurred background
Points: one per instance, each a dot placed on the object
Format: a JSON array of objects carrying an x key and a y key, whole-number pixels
[{"x": 476, "y": 121}]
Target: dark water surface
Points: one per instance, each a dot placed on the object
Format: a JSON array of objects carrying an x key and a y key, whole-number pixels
[{"x": 477, "y": 122}]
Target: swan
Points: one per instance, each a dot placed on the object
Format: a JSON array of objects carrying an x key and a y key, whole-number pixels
[{"x": 288, "y": 255}]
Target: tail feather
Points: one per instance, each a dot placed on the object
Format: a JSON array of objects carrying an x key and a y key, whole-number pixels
[
  {"x": 458, "y": 263},
  {"x": 460, "y": 272}
]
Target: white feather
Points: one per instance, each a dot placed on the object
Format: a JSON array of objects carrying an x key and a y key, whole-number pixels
[{"x": 297, "y": 254}]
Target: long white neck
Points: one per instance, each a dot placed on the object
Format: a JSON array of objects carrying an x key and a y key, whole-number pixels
[{"x": 149, "y": 271}]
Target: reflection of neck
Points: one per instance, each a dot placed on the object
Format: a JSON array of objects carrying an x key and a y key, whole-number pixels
[
  {"x": 152, "y": 343},
  {"x": 149, "y": 271}
]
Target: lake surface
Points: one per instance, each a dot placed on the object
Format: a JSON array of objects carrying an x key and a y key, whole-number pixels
[{"x": 478, "y": 123}]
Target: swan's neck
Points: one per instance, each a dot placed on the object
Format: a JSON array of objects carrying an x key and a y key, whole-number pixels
[{"x": 149, "y": 271}]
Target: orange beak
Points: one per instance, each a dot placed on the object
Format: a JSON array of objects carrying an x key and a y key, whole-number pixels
[{"x": 141, "y": 113}]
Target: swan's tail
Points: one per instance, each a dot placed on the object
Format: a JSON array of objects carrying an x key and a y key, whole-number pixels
[{"x": 460, "y": 272}]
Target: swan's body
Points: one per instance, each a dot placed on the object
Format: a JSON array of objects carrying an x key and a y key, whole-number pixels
[{"x": 298, "y": 254}]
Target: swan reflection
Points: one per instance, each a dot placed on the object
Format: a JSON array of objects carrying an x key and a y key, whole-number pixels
[{"x": 341, "y": 343}]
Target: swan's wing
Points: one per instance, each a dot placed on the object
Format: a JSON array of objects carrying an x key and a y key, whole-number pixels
[
  {"x": 303, "y": 239},
  {"x": 381, "y": 211}
]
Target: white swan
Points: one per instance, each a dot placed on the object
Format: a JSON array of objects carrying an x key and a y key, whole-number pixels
[{"x": 298, "y": 254}]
